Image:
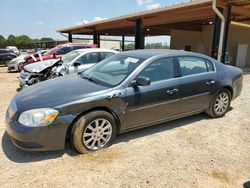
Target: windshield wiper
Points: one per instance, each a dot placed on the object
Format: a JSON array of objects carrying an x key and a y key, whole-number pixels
[{"x": 88, "y": 78}]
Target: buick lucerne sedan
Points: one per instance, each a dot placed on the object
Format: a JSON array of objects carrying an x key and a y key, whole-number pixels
[{"x": 124, "y": 92}]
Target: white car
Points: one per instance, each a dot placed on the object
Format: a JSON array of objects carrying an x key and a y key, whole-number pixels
[
  {"x": 80, "y": 60},
  {"x": 13, "y": 65},
  {"x": 14, "y": 49},
  {"x": 73, "y": 62}
]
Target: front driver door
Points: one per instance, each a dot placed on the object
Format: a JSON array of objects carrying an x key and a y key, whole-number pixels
[{"x": 157, "y": 102}]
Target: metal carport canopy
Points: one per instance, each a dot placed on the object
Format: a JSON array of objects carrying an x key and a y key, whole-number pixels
[
  {"x": 188, "y": 16},
  {"x": 185, "y": 16}
]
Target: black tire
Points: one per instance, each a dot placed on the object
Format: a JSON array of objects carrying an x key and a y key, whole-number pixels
[
  {"x": 6, "y": 62},
  {"x": 80, "y": 127},
  {"x": 211, "y": 111}
]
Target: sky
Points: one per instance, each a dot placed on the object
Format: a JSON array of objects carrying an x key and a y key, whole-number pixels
[{"x": 41, "y": 18}]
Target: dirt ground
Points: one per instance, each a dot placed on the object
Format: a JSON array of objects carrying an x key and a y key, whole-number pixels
[{"x": 191, "y": 152}]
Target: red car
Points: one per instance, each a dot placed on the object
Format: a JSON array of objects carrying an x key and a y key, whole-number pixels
[{"x": 55, "y": 53}]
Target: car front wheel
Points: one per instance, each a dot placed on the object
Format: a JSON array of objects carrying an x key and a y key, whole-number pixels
[
  {"x": 93, "y": 131},
  {"x": 220, "y": 104}
]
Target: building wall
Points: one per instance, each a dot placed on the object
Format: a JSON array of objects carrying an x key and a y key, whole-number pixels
[
  {"x": 109, "y": 44},
  {"x": 201, "y": 42},
  {"x": 238, "y": 35}
]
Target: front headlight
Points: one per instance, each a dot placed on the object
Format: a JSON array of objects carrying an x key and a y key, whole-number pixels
[{"x": 38, "y": 117}]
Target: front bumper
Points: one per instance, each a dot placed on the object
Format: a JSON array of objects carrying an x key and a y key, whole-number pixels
[
  {"x": 23, "y": 82},
  {"x": 12, "y": 67},
  {"x": 45, "y": 138},
  {"x": 237, "y": 86}
]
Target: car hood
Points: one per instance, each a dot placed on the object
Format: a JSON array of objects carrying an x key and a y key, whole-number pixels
[
  {"x": 21, "y": 57},
  {"x": 56, "y": 92},
  {"x": 40, "y": 66}
]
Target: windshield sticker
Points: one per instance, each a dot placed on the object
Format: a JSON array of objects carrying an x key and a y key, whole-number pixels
[{"x": 132, "y": 60}]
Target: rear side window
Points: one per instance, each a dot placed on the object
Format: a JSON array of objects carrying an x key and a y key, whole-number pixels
[
  {"x": 210, "y": 66},
  {"x": 89, "y": 58},
  {"x": 5, "y": 51},
  {"x": 194, "y": 65}
]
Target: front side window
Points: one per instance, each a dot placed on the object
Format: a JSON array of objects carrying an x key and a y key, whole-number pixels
[
  {"x": 69, "y": 57},
  {"x": 113, "y": 70},
  {"x": 89, "y": 58},
  {"x": 162, "y": 69},
  {"x": 194, "y": 65}
]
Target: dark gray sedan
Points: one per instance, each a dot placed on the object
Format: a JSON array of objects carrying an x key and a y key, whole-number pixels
[{"x": 127, "y": 91}]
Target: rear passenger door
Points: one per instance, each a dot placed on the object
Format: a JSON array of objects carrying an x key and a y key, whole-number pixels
[{"x": 198, "y": 82}]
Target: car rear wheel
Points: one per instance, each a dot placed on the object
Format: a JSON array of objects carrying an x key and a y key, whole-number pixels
[
  {"x": 93, "y": 131},
  {"x": 220, "y": 104}
]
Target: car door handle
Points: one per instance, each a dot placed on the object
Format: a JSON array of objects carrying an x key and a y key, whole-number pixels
[
  {"x": 211, "y": 82},
  {"x": 114, "y": 95},
  {"x": 172, "y": 91}
]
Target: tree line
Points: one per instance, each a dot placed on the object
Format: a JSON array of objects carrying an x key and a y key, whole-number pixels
[
  {"x": 158, "y": 45},
  {"x": 24, "y": 41},
  {"x": 21, "y": 41}
]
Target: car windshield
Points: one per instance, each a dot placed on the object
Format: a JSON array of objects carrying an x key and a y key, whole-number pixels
[
  {"x": 69, "y": 57},
  {"x": 113, "y": 70}
]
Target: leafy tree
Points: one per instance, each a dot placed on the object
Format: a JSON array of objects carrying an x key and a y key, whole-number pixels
[
  {"x": 129, "y": 46},
  {"x": 47, "y": 39},
  {"x": 156, "y": 46},
  {"x": 22, "y": 41},
  {"x": 2, "y": 42},
  {"x": 11, "y": 40}
]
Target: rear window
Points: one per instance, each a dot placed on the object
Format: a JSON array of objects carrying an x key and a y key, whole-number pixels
[
  {"x": 194, "y": 65},
  {"x": 80, "y": 47},
  {"x": 4, "y": 51}
]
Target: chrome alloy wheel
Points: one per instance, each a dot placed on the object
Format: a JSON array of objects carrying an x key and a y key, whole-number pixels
[
  {"x": 221, "y": 103},
  {"x": 97, "y": 134}
]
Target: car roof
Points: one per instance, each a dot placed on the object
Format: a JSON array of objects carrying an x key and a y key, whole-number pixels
[
  {"x": 74, "y": 44},
  {"x": 85, "y": 50},
  {"x": 145, "y": 54}
]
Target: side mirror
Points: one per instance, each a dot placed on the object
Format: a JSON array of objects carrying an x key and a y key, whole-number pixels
[
  {"x": 76, "y": 64},
  {"x": 141, "y": 81}
]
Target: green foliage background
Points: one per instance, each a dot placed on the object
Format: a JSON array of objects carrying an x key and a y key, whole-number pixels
[{"x": 21, "y": 41}]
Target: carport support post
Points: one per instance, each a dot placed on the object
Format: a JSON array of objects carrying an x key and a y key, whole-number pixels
[
  {"x": 98, "y": 41},
  {"x": 225, "y": 37},
  {"x": 95, "y": 37},
  {"x": 70, "y": 37},
  {"x": 216, "y": 36},
  {"x": 123, "y": 43},
  {"x": 139, "y": 37}
]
